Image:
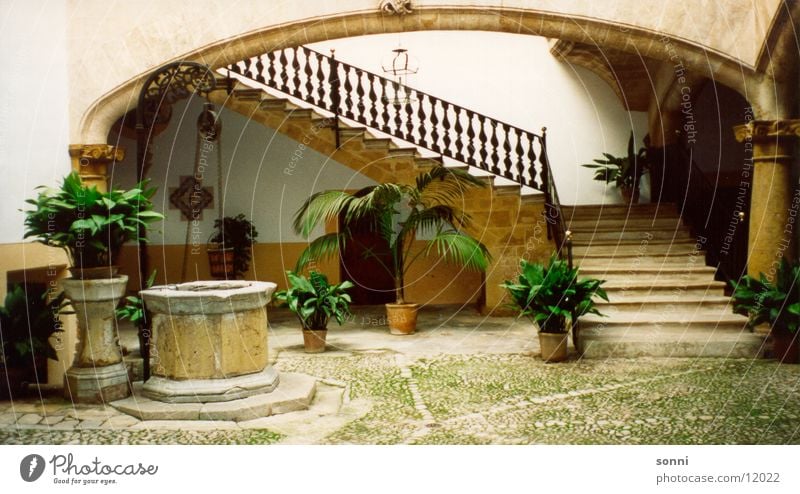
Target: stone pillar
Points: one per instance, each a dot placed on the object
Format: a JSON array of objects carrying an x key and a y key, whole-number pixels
[
  {"x": 772, "y": 226},
  {"x": 91, "y": 161}
]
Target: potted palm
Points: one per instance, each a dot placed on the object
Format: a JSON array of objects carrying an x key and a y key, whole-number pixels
[
  {"x": 230, "y": 249},
  {"x": 92, "y": 226},
  {"x": 315, "y": 301},
  {"x": 625, "y": 172},
  {"x": 28, "y": 319},
  {"x": 397, "y": 213},
  {"x": 775, "y": 302},
  {"x": 553, "y": 298}
]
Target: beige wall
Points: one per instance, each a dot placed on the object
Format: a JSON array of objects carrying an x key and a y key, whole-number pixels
[{"x": 128, "y": 39}]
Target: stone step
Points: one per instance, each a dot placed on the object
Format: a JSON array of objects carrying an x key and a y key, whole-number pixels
[
  {"x": 248, "y": 94},
  {"x": 668, "y": 316},
  {"x": 635, "y": 288},
  {"x": 629, "y": 236},
  {"x": 626, "y": 224},
  {"x": 618, "y": 211},
  {"x": 598, "y": 341},
  {"x": 299, "y": 113},
  {"x": 649, "y": 249},
  {"x": 273, "y": 104},
  {"x": 649, "y": 269},
  {"x": 645, "y": 279},
  {"x": 633, "y": 262},
  {"x": 623, "y": 302}
]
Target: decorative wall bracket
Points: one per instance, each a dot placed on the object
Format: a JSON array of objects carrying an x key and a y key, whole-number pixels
[{"x": 396, "y": 7}]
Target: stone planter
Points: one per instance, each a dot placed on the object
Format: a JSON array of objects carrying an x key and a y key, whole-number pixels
[
  {"x": 402, "y": 318},
  {"x": 97, "y": 375},
  {"x": 209, "y": 341},
  {"x": 314, "y": 340},
  {"x": 553, "y": 346}
]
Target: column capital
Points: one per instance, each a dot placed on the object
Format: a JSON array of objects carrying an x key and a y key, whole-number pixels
[
  {"x": 765, "y": 130},
  {"x": 96, "y": 152}
]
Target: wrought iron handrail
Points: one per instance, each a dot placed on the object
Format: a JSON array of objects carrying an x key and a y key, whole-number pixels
[
  {"x": 556, "y": 226},
  {"x": 403, "y": 112}
]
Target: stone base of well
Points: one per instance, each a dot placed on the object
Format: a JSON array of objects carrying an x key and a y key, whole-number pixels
[
  {"x": 293, "y": 393},
  {"x": 96, "y": 384},
  {"x": 211, "y": 390}
]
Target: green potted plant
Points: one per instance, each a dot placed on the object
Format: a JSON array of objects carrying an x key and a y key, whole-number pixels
[
  {"x": 625, "y": 172},
  {"x": 315, "y": 301},
  {"x": 553, "y": 298},
  {"x": 398, "y": 212},
  {"x": 230, "y": 251},
  {"x": 27, "y": 321},
  {"x": 775, "y": 302},
  {"x": 92, "y": 226}
]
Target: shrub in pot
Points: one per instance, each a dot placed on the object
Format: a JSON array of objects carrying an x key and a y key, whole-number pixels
[
  {"x": 625, "y": 172},
  {"x": 775, "y": 302},
  {"x": 398, "y": 213},
  {"x": 553, "y": 298},
  {"x": 27, "y": 321},
  {"x": 315, "y": 301},
  {"x": 231, "y": 250}
]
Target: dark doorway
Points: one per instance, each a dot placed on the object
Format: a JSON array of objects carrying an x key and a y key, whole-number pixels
[{"x": 365, "y": 259}]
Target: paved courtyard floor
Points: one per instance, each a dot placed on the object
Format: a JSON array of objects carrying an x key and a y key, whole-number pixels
[{"x": 463, "y": 379}]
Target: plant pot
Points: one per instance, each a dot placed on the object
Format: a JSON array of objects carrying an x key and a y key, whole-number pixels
[
  {"x": 97, "y": 273},
  {"x": 785, "y": 346},
  {"x": 553, "y": 346},
  {"x": 98, "y": 374},
  {"x": 314, "y": 340},
  {"x": 629, "y": 195},
  {"x": 220, "y": 262},
  {"x": 402, "y": 318}
]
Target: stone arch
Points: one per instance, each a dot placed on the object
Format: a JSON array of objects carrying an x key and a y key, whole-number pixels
[{"x": 98, "y": 118}]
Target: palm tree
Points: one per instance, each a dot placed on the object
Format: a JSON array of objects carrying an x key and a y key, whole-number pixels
[{"x": 397, "y": 213}]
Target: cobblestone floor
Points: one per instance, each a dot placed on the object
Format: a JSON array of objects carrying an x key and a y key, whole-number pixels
[{"x": 477, "y": 399}]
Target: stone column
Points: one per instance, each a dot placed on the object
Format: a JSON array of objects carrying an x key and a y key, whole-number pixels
[
  {"x": 91, "y": 161},
  {"x": 772, "y": 226}
]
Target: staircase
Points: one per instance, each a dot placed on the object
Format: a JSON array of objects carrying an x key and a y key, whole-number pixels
[{"x": 663, "y": 299}]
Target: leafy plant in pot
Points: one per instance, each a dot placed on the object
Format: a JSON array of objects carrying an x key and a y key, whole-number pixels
[
  {"x": 27, "y": 321},
  {"x": 625, "y": 172},
  {"x": 397, "y": 212},
  {"x": 775, "y": 302},
  {"x": 92, "y": 226},
  {"x": 553, "y": 298},
  {"x": 230, "y": 251},
  {"x": 315, "y": 301}
]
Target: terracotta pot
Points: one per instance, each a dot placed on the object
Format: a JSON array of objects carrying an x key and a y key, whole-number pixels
[
  {"x": 553, "y": 346},
  {"x": 402, "y": 318},
  {"x": 314, "y": 340},
  {"x": 220, "y": 262},
  {"x": 785, "y": 346}
]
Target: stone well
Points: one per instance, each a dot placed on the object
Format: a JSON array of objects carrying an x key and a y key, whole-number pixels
[{"x": 209, "y": 341}]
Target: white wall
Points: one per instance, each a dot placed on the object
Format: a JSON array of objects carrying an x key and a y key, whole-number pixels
[
  {"x": 514, "y": 78},
  {"x": 255, "y": 160},
  {"x": 34, "y": 105}
]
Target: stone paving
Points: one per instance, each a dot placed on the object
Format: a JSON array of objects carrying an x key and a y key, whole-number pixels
[{"x": 465, "y": 380}]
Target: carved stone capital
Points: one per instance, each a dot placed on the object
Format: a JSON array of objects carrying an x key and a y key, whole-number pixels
[
  {"x": 96, "y": 152},
  {"x": 765, "y": 130}
]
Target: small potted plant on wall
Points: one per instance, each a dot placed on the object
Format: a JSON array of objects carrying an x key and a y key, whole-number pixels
[
  {"x": 625, "y": 172},
  {"x": 315, "y": 301},
  {"x": 553, "y": 298},
  {"x": 27, "y": 321},
  {"x": 92, "y": 227},
  {"x": 775, "y": 302},
  {"x": 230, "y": 249},
  {"x": 398, "y": 212}
]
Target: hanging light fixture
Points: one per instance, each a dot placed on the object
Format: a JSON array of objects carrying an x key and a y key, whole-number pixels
[{"x": 399, "y": 66}]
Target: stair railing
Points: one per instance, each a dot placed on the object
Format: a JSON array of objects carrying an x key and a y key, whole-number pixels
[
  {"x": 403, "y": 112},
  {"x": 554, "y": 216}
]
